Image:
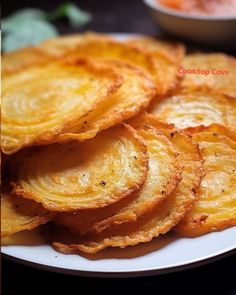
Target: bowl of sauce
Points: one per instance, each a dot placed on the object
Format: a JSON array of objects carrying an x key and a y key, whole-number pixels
[{"x": 203, "y": 21}]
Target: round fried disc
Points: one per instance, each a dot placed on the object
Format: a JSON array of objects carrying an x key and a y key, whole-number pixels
[
  {"x": 196, "y": 106},
  {"x": 157, "y": 222},
  {"x": 163, "y": 175},
  {"x": 160, "y": 66},
  {"x": 161, "y": 69},
  {"x": 40, "y": 103},
  {"x": 41, "y": 53},
  {"x": 157, "y": 57},
  {"x": 18, "y": 214},
  {"x": 173, "y": 50},
  {"x": 72, "y": 176},
  {"x": 134, "y": 95},
  {"x": 20, "y": 59},
  {"x": 216, "y": 207}
]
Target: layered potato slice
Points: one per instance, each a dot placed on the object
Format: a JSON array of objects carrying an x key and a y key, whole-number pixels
[
  {"x": 20, "y": 59},
  {"x": 214, "y": 62},
  {"x": 190, "y": 107},
  {"x": 158, "y": 221},
  {"x": 133, "y": 96},
  {"x": 173, "y": 50},
  {"x": 41, "y": 53},
  {"x": 216, "y": 207},
  {"x": 18, "y": 214},
  {"x": 158, "y": 58},
  {"x": 163, "y": 175},
  {"x": 161, "y": 68},
  {"x": 40, "y": 103},
  {"x": 93, "y": 174}
]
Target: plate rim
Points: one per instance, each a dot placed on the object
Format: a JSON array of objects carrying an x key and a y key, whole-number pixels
[{"x": 142, "y": 272}]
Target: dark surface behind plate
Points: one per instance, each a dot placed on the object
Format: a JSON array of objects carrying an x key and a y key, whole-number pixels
[
  {"x": 215, "y": 278},
  {"x": 124, "y": 16}
]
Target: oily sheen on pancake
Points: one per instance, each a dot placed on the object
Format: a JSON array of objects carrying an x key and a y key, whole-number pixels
[
  {"x": 160, "y": 65},
  {"x": 18, "y": 214},
  {"x": 41, "y": 53},
  {"x": 40, "y": 103},
  {"x": 161, "y": 68},
  {"x": 93, "y": 174},
  {"x": 173, "y": 50},
  {"x": 190, "y": 107},
  {"x": 216, "y": 207},
  {"x": 162, "y": 177},
  {"x": 134, "y": 95},
  {"x": 18, "y": 60},
  {"x": 166, "y": 57},
  {"x": 222, "y": 71},
  {"x": 162, "y": 218}
]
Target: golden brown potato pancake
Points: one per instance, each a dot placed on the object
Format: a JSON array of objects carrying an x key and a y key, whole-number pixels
[
  {"x": 42, "y": 53},
  {"x": 161, "y": 68},
  {"x": 162, "y": 177},
  {"x": 190, "y": 107},
  {"x": 18, "y": 60},
  {"x": 214, "y": 62},
  {"x": 18, "y": 214},
  {"x": 93, "y": 174},
  {"x": 216, "y": 207},
  {"x": 40, "y": 103},
  {"x": 61, "y": 46},
  {"x": 161, "y": 219},
  {"x": 173, "y": 50},
  {"x": 134, "y": 95}
]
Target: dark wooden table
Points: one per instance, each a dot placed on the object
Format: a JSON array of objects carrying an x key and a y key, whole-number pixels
[{"x": 216, "y": 278}]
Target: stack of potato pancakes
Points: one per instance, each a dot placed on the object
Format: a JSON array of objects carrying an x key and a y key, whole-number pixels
[{"x": 108, "y": 143}]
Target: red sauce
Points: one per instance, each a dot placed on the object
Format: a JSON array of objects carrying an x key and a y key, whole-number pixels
[{"x": 204, "y": 7}]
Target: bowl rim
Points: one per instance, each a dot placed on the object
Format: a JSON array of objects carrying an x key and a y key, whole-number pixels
[{"x": 172, "y": 12}]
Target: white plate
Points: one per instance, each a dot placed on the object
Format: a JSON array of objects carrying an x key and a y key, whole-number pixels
[{"x": 164, "y": 254}]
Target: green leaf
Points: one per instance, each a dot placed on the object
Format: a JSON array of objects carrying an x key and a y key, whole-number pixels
[
  {"x": 31, "y": 31},
  {"x": 29, "y": 26},
  {"x": 76, "y": 16},
  {"x": 14, "y": 21}
]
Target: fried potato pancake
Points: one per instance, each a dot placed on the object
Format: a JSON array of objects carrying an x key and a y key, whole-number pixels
[
  {"x": 134, "y": 95},
  {"x": 216, "y": 207},
  {"x": 40, "y": 103},
  {"x": 224, "y": 81},
  {"x": 63, "y": 45},
  {"x": 162, "y": 218},
  {"x": 44, "y": 52},
  {"x": 18, "y": 214},
  {"x": 173, "y": 50},
  {"x": 196, "y": 106},
  {"x": 161, "y": 68},
  {"x": 163, "y": 175},
  {"x": 20, "y": 59},
  {"x": 96, "y": 173}
]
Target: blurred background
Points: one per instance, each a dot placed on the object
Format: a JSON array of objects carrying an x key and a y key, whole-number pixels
[
  {"x": 107, "y": 15},
  {"x": 121, "y": 16}
]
